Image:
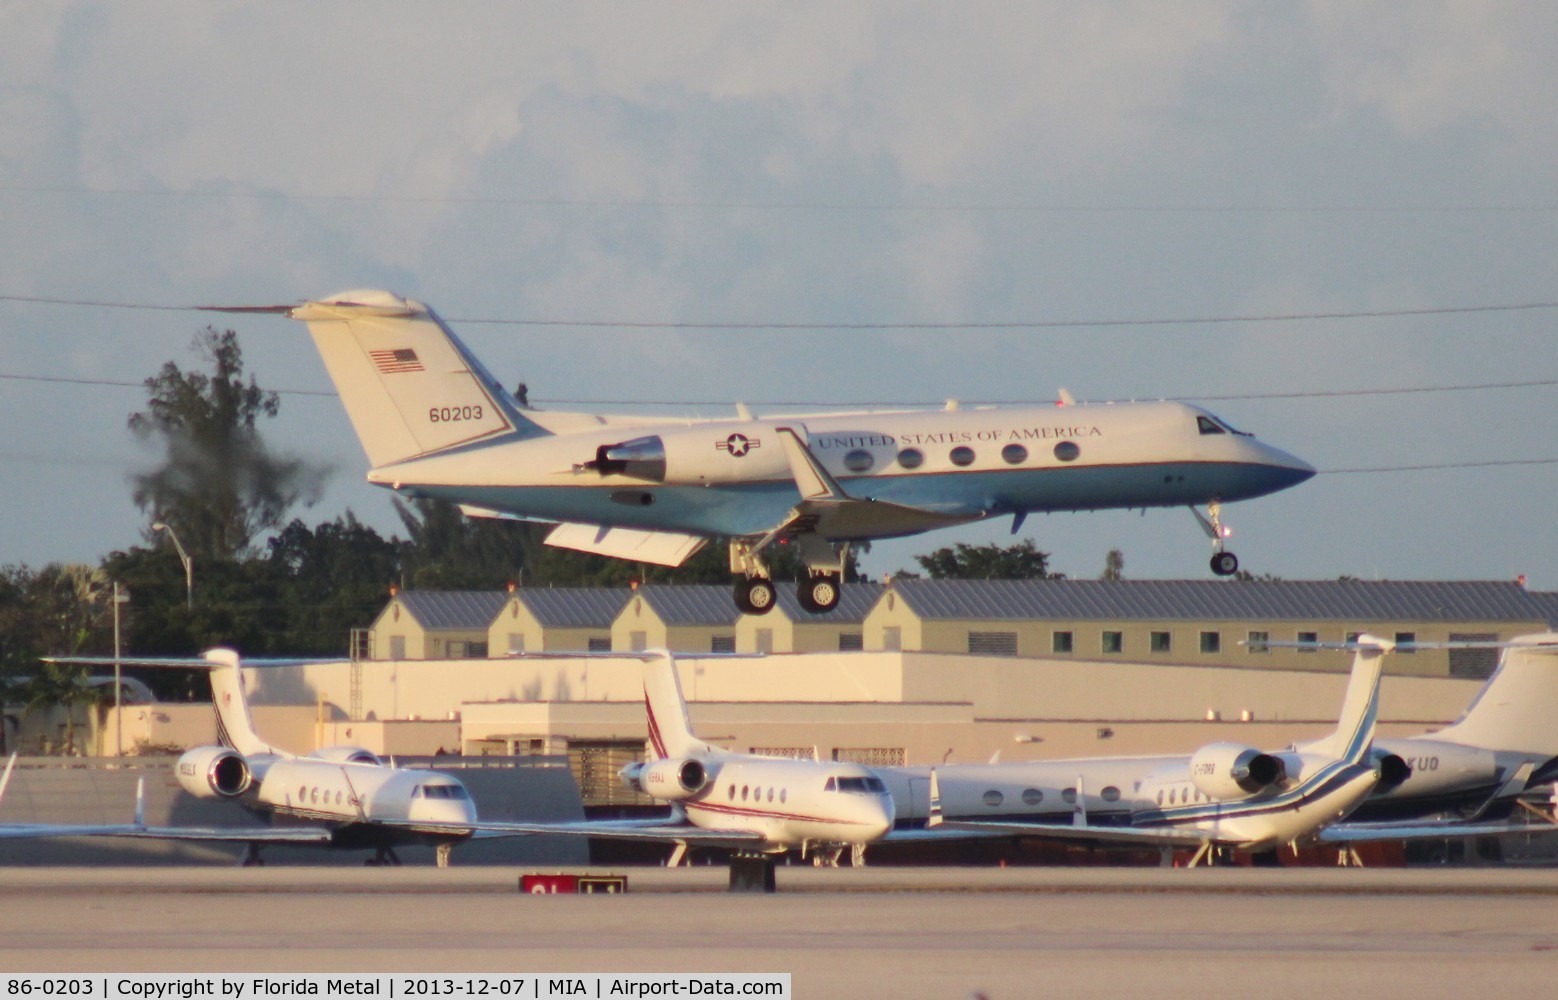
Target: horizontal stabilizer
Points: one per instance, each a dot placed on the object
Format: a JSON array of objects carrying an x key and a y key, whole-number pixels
[{"x": 663, "y": 548}]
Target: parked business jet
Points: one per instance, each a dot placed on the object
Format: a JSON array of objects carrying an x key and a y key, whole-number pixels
[
  {"x": 1225, "y": 795},
  {"x": 360, "y": 801},
  {"x": 757, "y": 807},
  {"x": 435, "y": 423}
]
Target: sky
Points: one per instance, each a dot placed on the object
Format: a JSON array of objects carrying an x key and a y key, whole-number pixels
[{"x": 1060, "y": 166}]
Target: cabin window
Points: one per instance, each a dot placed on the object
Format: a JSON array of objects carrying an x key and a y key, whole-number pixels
[
  {"x": 1032, "y": 796},
  {"x": 1014, "y": 454},
  {"x": 993, "y": 798},
  {"x": 744, "y": 790},
  {"x": 1069, "y": 795},
  {"x": 783, "y": 794},
  {"x": 770, "y": 795},
  {"x": 859, "y": 460},
  {"x": 732, "y": 793},
  {"x": 962, "y": 456},
  {"x": 1112, "y": 641},
  {"x": 1068, "y": 451},
  {"x": 911, "y": 458},
  {"x": 1060, "y": 642},
  {"x": 1161, "y": 642},
  {"x": 1110, "y": 794},
  {"x": 1160, "y": 796}
]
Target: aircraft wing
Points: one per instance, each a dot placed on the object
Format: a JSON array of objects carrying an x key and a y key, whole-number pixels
[
  {"x": 1141, "y": 836},
  {"x": 1364, "y": 833},
  {"x": 828, "y": 510},
  {"x": 666, "y": 830},
  {"x": 238, "y": 834}
]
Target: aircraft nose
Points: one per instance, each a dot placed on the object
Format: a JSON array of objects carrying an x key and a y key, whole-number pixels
[{"x": 880, "y": 818}]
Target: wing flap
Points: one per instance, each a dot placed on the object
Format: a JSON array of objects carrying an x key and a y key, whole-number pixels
[{"x": 663, "y": 548}]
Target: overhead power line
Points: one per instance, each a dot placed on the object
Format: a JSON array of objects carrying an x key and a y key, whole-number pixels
[
  {"x": 974, "y": 205},
  {"x": 1014, "y": 324}
]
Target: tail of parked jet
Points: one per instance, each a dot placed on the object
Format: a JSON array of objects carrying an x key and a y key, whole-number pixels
[
  {"x": 1517, "y": 709},
  {"x": 1360, "y": 706},
  {"x": 409, "y": 385},
  {"x": 670, "y": 732},
  {"x": 234, "y": 725}
]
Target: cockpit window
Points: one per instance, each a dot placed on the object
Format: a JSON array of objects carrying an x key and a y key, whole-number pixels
[
  {"x": 439, "y": 792},
  {"x": 1206, "y": 425},
  {"x": 860, "y": 786}
]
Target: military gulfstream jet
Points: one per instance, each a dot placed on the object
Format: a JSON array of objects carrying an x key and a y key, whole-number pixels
[
  {"x": 435, "y": 423},
  {"x": 358, "y": 800}
]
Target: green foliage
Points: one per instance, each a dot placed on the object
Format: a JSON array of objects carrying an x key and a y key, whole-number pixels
[
  {"x": 1021, "y": 561},
  {"x": 217, "y": 484}
]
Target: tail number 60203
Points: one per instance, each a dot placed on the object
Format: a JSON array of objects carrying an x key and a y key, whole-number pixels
[{"x": 453, "y": 414}]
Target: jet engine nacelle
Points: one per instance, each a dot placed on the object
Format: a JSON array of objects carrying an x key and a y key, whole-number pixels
[
  {"x": 214, "y": 772},
  {"x": 699, "y": 455},
  {"x": 1232, "y": 771},
  {"x": 347, "y": 755},
  {"x": 669, "y": 780}
]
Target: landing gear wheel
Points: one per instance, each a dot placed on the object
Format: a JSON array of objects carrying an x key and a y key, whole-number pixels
[
  {"x": 1225, "y": 564},
  {"x": 820, "y": 594},
  {"x": 755, "y": 596}
]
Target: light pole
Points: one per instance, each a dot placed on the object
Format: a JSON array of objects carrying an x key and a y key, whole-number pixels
[
  {"x": 121, "y": 596},
  {"x": 189, "y": 565}
]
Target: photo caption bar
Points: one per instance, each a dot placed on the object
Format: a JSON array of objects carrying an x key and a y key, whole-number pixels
[{"x": 396, "y": 986}]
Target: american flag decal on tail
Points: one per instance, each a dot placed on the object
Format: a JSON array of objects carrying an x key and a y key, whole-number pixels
[{"x": 402, "y": 359}]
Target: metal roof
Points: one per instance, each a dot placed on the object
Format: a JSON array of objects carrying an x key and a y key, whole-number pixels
[
  {"x": 1210, "y": 600},
  {"x": 574, "y": 607},
  {"x": 689, "y": 605},
  {"x": 453, "y": 609}
]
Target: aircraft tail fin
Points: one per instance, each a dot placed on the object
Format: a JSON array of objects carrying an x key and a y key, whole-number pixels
[
  {"x": 1354, "y": 733},
  {"x": 234, "y": 725},
  {"x": 409, "y": 385},
  {"x": 670, "y": 731},
  {"x": 1518, "y": 707}
]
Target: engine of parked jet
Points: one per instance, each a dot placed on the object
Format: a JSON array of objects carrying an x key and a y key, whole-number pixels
[
  {"x": 669, "y": 780},
  {"x": 1232, "y": 771},
  {"x": 347, "y": 755},
  {"x": 214, "y": 772}
]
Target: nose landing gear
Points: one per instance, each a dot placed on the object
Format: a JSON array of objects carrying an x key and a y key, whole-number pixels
[{"x": 1223, "y": 563}]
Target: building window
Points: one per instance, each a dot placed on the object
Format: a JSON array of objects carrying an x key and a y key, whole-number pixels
[
  {"x": 722, "y": 644},
  {"x": 638, "y": 641},
  {"x": 1060, "y": 642},
  {"x": 598, "y": 643},
  {"x": 516, "y": 643},
  {"x": 765, "y": 640},
  {"x": 1474, "y": 663},
  {"x": 1405, "y": 638},
  {"x": 1306, "y": 637},
  {"x": 1161, "y": 642},
  {"x": 476, "y": 650},
  {"x": 397, "y": 648},
  {"x": 992, "y": 643},
  {"x": 892, "y": 638},
  {"x": 1211, "y": 642},
  {"x": 851, "y": 642},
  {"x": 1113, "y": 641},
  {"x": 1255, "y": 642}
]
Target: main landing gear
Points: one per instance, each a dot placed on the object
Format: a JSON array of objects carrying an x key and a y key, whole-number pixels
[
  {"x": 1223, "y": 563},
  {"x": 818, "y": 593}
]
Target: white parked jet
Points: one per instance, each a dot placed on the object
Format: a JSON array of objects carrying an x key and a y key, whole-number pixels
[
  {"x": 435, "y": 423},
  {"x": 360, "y": 801},
  {"x": 758, "y": 807}
]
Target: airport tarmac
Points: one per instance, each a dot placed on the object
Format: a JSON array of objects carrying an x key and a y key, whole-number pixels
[{"x": 875, "y": 932}]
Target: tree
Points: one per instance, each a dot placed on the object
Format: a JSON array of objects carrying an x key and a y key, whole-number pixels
[
  {"x": 1021, "y": 561},
  {"x": 218, "y": 485},
  {"x": 1114, "y": 566}
]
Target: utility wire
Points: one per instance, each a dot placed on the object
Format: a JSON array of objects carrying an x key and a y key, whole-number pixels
[{"x": 776, "y": 325}]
